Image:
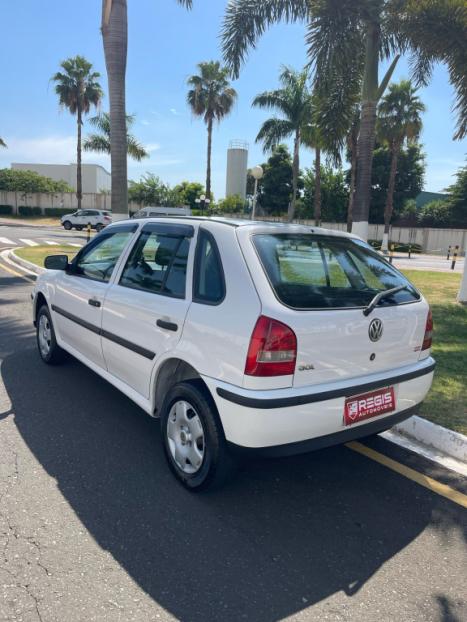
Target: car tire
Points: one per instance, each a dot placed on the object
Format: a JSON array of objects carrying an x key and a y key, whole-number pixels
[
  {"x": 99, "y": 227},
  {"x": 79, "y": 228},
  {"x": 50, "y": 352},
  {"x": 67, "y": 225},
  {"x": 193, "y": 438}
]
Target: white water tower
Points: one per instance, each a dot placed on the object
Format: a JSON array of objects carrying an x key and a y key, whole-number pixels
[{"x": 237, "y": 167}]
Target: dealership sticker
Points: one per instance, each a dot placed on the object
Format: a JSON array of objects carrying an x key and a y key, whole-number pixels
[{"x": 368, "y": 405}]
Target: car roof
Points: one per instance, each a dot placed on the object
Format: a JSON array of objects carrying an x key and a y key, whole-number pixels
[{"x": 257, "y": 226}]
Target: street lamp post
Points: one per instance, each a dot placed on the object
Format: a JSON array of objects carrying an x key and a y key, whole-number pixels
[
  {"x": 203, "y": 201},
  {"x": 257, "y": 173}
]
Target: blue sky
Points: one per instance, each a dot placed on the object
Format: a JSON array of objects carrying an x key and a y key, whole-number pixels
[{"x": 165, "y": 43}]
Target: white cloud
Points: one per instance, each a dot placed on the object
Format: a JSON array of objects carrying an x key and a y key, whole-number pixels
[
  {"x": 145, "y": 122},
  {"x": 47, "y": 150},
  {"x": 152, "y": 147},
  {"x": 175, "y": 112}
]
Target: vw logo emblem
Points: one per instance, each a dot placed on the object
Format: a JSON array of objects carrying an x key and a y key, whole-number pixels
[{"x": 375, "y": 330}]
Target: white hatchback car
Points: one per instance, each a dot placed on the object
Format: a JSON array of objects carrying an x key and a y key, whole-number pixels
[
  {"x": 239, "y": 334},
  {"x": 98, "y": 219}
]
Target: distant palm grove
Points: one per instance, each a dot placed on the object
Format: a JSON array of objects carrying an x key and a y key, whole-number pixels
[{"x": 363, "y": 129}]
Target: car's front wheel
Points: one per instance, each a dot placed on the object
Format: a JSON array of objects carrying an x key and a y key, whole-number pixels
[
  {"x": 50, "y": 352},
  {"x": 193, "y": 438},
  {"x": 99, "y": 227},
  {"x": 67, "y": 225}
]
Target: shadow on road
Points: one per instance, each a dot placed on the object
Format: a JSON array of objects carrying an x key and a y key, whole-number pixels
[{"x": 283, "y": 535}]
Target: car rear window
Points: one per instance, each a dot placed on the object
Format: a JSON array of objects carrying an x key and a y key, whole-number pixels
[{"x": 309, "y": 271}]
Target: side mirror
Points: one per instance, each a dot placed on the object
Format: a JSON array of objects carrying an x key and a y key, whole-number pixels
[{"x": 56, "y": 262}]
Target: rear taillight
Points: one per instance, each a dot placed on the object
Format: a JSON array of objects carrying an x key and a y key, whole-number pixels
[
  {"x": 107, "y": 218},
  {"x": 273, "y": 349},
  {"x": 427, "y": 339}
]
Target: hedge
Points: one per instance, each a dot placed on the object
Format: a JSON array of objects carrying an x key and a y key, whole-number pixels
[
  {"x": 57, "y": 211},
  {"x": 399, "y": 247},
  {"x": 6, "y": 209},
  {"x": 25, "y": 210}
]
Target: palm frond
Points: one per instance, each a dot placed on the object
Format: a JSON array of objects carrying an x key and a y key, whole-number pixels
[
  {"x": 436, "y": 31},
  {"x": 3, "y": 143},
  {"x": 97, "y": 143},
  {"x": 186, "y": 3},
  {"x": 246, "y": 20},
  {"x": 273, "y": 132}
]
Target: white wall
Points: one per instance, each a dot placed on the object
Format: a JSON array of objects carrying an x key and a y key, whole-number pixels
[
  {"x": 62, "y": 200},
  {"x": 95, "y": 178},
  {"x": 431, "y": 240}
]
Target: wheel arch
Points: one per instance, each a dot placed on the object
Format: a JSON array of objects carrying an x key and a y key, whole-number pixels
[
  {"x": 171, "y": 372},
  {"x": 39, "y": 301}
]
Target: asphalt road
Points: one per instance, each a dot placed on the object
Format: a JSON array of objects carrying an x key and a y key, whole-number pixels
[
  {"x": 93, "y": 526},
  {"x": 24, "y": 235}
]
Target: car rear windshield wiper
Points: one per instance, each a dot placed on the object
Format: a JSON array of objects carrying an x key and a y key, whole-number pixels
[{"x": 388, "y": 292}]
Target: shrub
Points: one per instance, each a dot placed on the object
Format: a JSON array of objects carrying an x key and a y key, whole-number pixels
[
  {"x": 57, "y": 211},
  {"x": 6, "y": 209},
  {"x": 25, "y": 210},
  {"x": 399, "y": 247}
]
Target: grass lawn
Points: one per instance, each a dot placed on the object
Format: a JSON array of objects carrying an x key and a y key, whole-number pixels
[
  {"x": 37, "y": 254},
  {"x": 446, "y": 403}
]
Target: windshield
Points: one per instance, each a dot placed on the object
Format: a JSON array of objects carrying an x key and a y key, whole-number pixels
[{"x": 309, "y": 271}]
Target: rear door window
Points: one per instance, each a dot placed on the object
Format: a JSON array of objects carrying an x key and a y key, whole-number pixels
[
  {"x": 208, "y": 278},
  {"x": 308, "y": 271}
]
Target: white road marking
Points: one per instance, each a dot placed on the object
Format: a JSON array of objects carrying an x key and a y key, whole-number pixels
[
  {"x": 51, "y": 243},
  {"x": 77, "y": 245},
  {"x": 28, "y": 242},
  {"x": 7, "y": 241}
]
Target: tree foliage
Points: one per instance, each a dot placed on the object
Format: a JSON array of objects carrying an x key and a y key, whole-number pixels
[
  {"x": 151, "y": 190},
  {"x": 334, "y": 194},
  {"x": 100, "y": 143},
  {"x": 408, "y": 184},
  {"x": 12, "y": 180},
  {"x": 275, "y": 187},
  {"x": 189, "y": 191},
  {"x": 232, "y": 205}
]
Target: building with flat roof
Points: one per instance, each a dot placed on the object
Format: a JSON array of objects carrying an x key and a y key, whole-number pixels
[{"x": 95, "y": 178}]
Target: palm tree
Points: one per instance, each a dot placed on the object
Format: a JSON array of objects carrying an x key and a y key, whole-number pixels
[
  {"x": 212, "y": 98},
  {"x": 114, "y": 28},
  {"x": 293, "y": 101},
  {"x": 78, "y": 90},
  {"x": 398, "y": 121},
  {"x": 346, "y": 41},
  {"x": 352, "y": 142},
  {"x": 101, "y": 142}
]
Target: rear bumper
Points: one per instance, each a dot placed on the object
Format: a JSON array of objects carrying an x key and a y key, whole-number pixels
[
  {"x": 301, "y": 420},
  {"x": 328, "y": 440}
]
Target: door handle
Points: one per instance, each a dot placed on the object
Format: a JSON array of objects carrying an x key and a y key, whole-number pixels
[
  {"x": 94, "y": 303},
  {"x": 167, "y": 325}
]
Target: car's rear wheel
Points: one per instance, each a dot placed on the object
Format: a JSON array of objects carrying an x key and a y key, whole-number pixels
[
  {"x": 67, "y": 225},
  {"x": 193, "y": 438},
  {"x": 50, "y": 352},
  {"x": 99, "y": 227}
]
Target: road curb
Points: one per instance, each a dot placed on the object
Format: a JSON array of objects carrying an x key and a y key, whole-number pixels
[
  {"x": 23, "y": 263},
  {"x": 430, "y": 434}
]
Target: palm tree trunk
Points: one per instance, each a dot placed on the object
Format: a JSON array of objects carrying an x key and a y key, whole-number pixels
[
  {"x": 295, "y": 172},
  {"x": 366, "y": 138},
  {"x": 353, "y": 174},
  {"x": 79, "y": 179},
  {"x": 317, "y": 197},
  {"x": 389, "y": 206},
  {"x": 115, "y": 37},
  {"x": 208, "y": 166}
]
